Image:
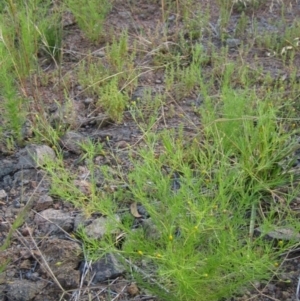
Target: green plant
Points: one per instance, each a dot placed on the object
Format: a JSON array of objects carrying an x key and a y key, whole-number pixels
[
  {"x": 12, "y": 104},
  {"x": 90, "y": 15},
  {"x": 113, "y": 87},
  {"x": 23, "y": 27},
  {"x": 196, "y": 244},
  {"x": 68, "y": 186}
]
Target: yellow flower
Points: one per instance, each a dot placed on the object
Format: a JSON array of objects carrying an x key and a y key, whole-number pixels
[
  {"x": 140, "y": 253},
  {"x": 170, "y": 237}
]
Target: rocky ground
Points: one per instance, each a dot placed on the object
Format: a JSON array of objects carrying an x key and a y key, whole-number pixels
[{"x": 45, "y": 260}]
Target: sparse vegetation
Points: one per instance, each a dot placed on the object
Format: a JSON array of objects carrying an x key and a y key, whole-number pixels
[{"x": 204, "y": 193}]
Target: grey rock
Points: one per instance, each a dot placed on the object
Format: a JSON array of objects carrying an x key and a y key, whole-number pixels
[
  {"x": 63, "y": 257},
  {"x": 100, "y": 226},
  {"x": 24, "y": 176},
  {"x": 16, "y": 203},
  {"x": 151, "y": 231},
  {"x": 43, "y": 203},
  {"x": 100, "y": 121},
  {"x": 142, "y": 211},
  {"x": 23, "y": 290},
  {"x": 7, "y": 167},
  {"x": 3, "y": 194},
  {"x": 88, "y": 101},
  {"x": 11, "y": 211},
  {"x": 27, "y": 130},
  {"x": 233, "y": 43},
  {"x": 41, "y": 154},
  {"x": 108, "y": 267},
  {"x": 140, "y": 92},
  {"x": 7, "y": 181},
  {"x": 81, "y": 220},
  {"x": 51, "y": 220},
  {"x": 71, "y": 141},
  {"x": 2, "y": 291},
  {"x": 63, "y": 115},
  {"x": 282, "y": 233},
  {"x": 99, "y": 53}
]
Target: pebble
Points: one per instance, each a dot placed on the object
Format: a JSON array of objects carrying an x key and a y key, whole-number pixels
[
  {"x": 88, "y": 101},
  {"x": 43, "y": 203},
  {"x": 99, "y": 53},
  {"x": 3, "y": 194},
  {"x": 99, "y": 227},
  {"x": 71, "y": 141},
  {"x": 233, "y": 43},
  {"x": 51, "y": 220},
  {"x": 132, "y": 289}
]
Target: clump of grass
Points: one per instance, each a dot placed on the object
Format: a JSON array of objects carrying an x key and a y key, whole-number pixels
[
  {"x": 11, "y": 103},
  {"x": 198, "y": 246},
  {"x": 24, "y": 28},
  {"x": 68, "y": 186},
  {"x": 111, "y": 79},
  {"x": 90, "y": 16}
]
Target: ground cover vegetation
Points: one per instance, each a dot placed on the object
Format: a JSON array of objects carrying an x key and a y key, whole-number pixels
[{"x": 204, "y": 194}]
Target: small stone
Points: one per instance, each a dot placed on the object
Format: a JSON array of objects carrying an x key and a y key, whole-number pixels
[
  {"x": 150, "y": 229},
  {"x": 43, "y": 203},
  {"x": 285, "y": 295},
  {"x": 84, "y": 186},
  {"x": 172, "y": 18},
  {"x": 88, "y": 101},
  {"x": 26, "y": 254},
  {"x": 32, "y": 276},
  {"x": 99, "y": 53},
  {"x": 140, "y": 93},
  {"x": 158, "y": 81},
  {"x": 63, "y": 257},
  {"x": 27, "y": 130},
  {"x": 3, "y": 194},
  {"x": 280, "y": 233},
  {"x": 16, "y": 204},
  {"x": 121, "y": 144},
  {"x": 99, "y": 227},
  {"x": 19, "y": 290},
  {"x": 108, "y": 267},
  {"x": 233, "y": 43},
  {"x": 71, "y": 141},
  {"x": 25, "y": 264},
  {"x": 11, "y": 211},
  {"x": 35, "y": 155},
  {"x": 133, "y": 290},
  {"x": 51, "y": 220}
]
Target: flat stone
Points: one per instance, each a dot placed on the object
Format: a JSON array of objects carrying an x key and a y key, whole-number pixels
[
  {"x": 36, "y": 155},
  {"x": 43, "y": 203},
  {"x": 51, "y": 220},
  {"x": 233, "y": 43},
  {"x": 3, "y": 194},
  {"x": 100, "y": 226},
  {"x": 108, "y": 267},
  {"x": 280, "y": 233},
  {"x": 63, "y": 258},
  {"x": 71, "y": 142},
  {"x": 20, "y": 290}
]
